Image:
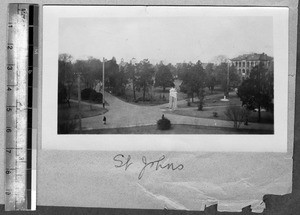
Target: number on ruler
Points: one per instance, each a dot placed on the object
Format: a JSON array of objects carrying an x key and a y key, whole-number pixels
[
  {"x": 10, "y": 46},
  {"x": 8, "y": 129},
  {"x": 8, "y": 109},
  {"x": 21, "y": 158},
  {"x": 8, "y": 150},
  {"x": 9, "y": 89},
  {"x": 7, "y": 193},
  {"x": 7, "y": 172},
  {"x": 9, "y": 67}
]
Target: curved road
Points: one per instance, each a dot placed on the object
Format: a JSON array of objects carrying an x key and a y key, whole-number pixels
[{"x": 123, "y": 114}]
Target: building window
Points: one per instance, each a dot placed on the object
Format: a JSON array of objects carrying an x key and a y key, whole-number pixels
[
  {"x": 248, "y": 64},
  {"x": 240, "y": 64},
  {"x": 240, "y": 71},
  {"x": 252, "y": 63},
  {"x": 236, "y": 63},
  {"x": 243, "y": 72},
  {"x": 247, "y": 72},
  {"x": 244, "y": 64}
]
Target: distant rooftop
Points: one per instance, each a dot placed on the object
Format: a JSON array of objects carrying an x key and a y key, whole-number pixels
[{"x": 253, "y": 57}]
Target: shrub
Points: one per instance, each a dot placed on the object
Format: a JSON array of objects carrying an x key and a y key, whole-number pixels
[
  {"x": 236, "y": 114},
  {"x": 91, "y": 94},
  {"x": 215, "y": 114},
  {"x": 201, "y": 99},
  {"x": 188, "y": 103},
  {"x": 200, "y": 105},
  {"x": 86, "y": 93},
  {"x": 96, "y": 97},
  {"x": 163, "y": 124}
]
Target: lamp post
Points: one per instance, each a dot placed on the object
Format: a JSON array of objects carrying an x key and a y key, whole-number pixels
[{"x": 227, "y": 85}]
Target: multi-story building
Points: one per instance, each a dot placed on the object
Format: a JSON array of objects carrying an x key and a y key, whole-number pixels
[{"x": 244, "y": 63}]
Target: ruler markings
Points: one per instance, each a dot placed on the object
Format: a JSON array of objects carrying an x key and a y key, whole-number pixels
[{"x": 19, "y": 156}]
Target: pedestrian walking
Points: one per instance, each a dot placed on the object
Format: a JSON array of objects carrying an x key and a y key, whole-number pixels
[{"x": 104, "y": 120}]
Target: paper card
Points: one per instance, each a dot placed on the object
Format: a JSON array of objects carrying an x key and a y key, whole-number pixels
[
  {"x": 227, "y": 64},
  {"x": 228, "y": 67}
]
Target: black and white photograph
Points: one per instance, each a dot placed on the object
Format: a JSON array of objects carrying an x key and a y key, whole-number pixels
[
  {"x": 163, "y": 71},
  {"x": 166, "y": 75}
]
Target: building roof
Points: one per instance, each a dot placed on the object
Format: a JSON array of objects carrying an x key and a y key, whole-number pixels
[{"x": 253, "y": 57}]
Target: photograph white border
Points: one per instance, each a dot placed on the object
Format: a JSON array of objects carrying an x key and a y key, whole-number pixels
[{"x": 222, "y": 143}]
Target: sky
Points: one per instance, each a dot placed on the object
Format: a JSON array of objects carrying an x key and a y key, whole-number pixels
[{"x": 167, "y": 39}]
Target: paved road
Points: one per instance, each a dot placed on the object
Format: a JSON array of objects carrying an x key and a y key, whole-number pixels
[{"x": 123, "y": 114}]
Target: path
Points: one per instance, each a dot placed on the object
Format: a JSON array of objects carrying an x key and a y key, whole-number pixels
[{"x": 123, "y": 114}]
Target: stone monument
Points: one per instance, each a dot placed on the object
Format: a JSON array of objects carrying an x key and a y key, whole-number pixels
[{"x": 173, "y": 99}]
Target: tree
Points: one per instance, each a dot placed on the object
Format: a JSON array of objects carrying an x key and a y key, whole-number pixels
[
  {"x": 64, "y": 67},
  {"x": 236, "y": 114},
  {"x": 95, "y": 69},
  {"x": 90, "y": 70},
  {"x": 193, "y": 82},
  {"x": 185, "y": 74},
  {"x": 113, "y": 76},
  {"x": 233, "y": 80},
  {"x": 163, "y": 77},
  {"x": 131, "y": 74},
  {"x": 66, "y": 77},
  {"x": 211, "y": 79},
  {"x": 173, "y": 70},
  {"x": 182, "y": 69},
  {"x": 145, "y": 76},
  {"x": 257, "y": 91},
  {"x": 220, "y": 59},
  {"x": 121, "y": 81},
  {"x": 81, "y": 67},
  {"x": 198, "y": 86}
]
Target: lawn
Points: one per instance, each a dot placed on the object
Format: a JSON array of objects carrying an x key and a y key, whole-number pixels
[
  {"x": 176, "y": 129},
  {"x": 213, "y": 104},
  {"x": 87, "y": 110}
]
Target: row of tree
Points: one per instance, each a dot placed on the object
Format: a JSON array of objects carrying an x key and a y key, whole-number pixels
[{"x": 143, "y": 75}]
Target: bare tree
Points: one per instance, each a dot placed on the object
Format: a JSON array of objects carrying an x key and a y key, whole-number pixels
[
  {"x": 220, "y": 59},
  {"x": 237, "y": 114}
]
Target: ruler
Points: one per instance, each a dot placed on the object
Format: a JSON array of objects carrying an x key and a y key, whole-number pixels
[{"x": 21, "y": 107}]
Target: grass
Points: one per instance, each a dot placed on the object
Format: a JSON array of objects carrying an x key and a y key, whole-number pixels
[
  {"x": 266, "y": 117},
  {"x": 87, "y": 110},
  {"x": 176, "y": 129},
  {"x": 213, "y": 104}
]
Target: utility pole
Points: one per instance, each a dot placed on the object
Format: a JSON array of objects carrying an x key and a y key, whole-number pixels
[
  {"x": 226, "y": 93},
  {"x": 227, "y": 90},
  {"x": 79, "y": 101},
  {"x": 103, "y": 67}
]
